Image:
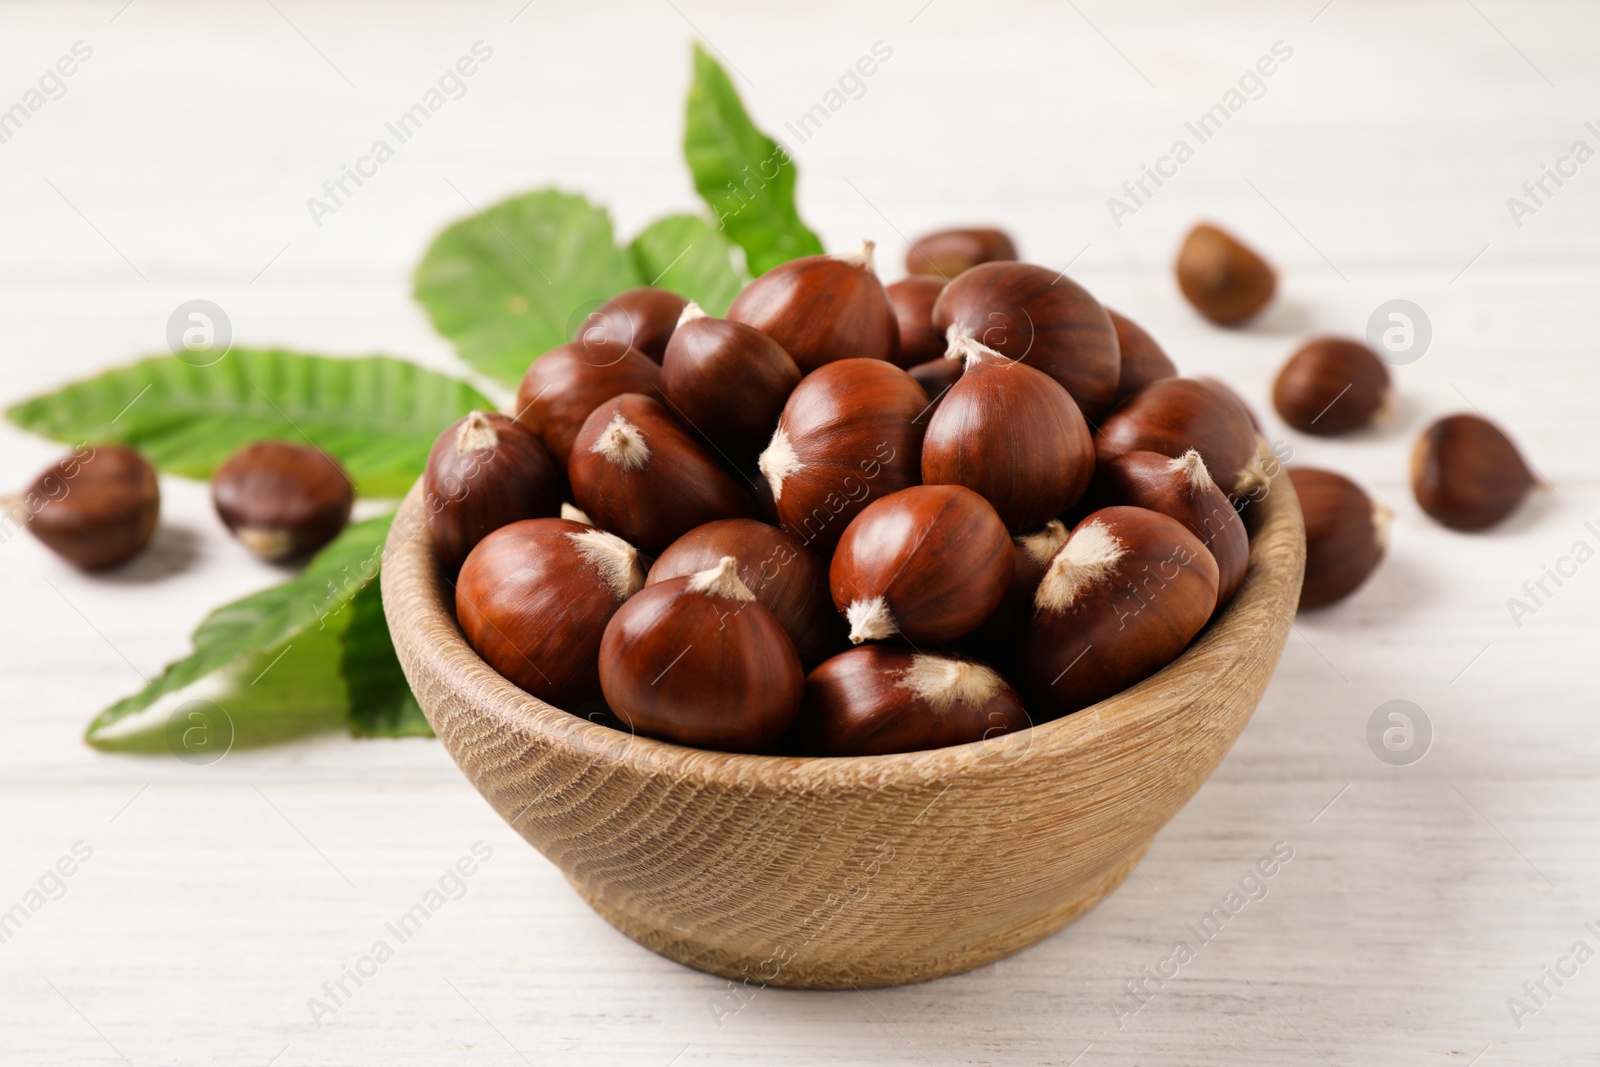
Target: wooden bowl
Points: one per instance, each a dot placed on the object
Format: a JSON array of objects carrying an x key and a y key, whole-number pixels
[{"x": 863, "y": 871}]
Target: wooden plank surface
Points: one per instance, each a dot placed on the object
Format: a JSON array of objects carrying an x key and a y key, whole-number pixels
[{"x": 1376, "y": 165}]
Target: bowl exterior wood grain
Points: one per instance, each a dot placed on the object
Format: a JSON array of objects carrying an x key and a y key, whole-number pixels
[{"x": 865, "y": 871}]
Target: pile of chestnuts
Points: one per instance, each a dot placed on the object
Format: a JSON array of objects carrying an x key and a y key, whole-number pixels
[{"x": 847, "y": 519}]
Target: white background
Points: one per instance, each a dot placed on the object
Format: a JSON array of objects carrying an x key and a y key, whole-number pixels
[{"x": 1376, "y": 166}]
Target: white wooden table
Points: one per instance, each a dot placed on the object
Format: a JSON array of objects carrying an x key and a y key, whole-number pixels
[{"x": 1375, "y": 166}]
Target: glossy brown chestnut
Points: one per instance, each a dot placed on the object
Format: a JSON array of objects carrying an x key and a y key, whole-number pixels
[
  {"x": 1143, "y": 361},
  {"x": 848, "y": 435},
  {"x": 643, "y": 318},
  {"x": 1226, "y": 281},
  {"x": 1174, "y": 415},
  {"x": 782, "y": 573},
  {"x": 1038, "y": 316},
  {"x": 878, "y": 699},
  {"x": 638, "y": 473},
  {"x": 946, "y": 253},
  {"x": 1466, "y": 473},
  {"x": 1346, "y": 534},
  {"x": 700, "y": 661},
  {"x": 1332, "y": 386},
  {"x": 484, "y": 472},
  {"x": 727, "y": 381},
  {"x": 823, "y": 308},
  {"x": 1012, "y": 435},
  {"x": 282, "y": 500},
  {"x": 937, "y": 376},
  {"x": 566, "y": 383},
  {"x": 928, "y": 563},
  {"x": 913, "y": 299},
  {"x": 1182, "y": 488},
  {"x": 1231, "y": 394},
  {"x": 534, "y": 598},
  {"x": 1120, "y": 600},
  {"x": 96, "y": 507}
]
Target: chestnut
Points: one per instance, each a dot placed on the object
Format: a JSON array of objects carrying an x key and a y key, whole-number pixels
[
  {"x": 1143, "y": 360},
  {"x": 1182, "y": 489},
  {"x": 1013, "y": 435},
  {"x": 95, "y": 508},
  {"x": 728, "y": 381},
  {"x": 913, "y": 299},
  {"x": 946, "y": 253},
  {"x": 1173, "y": 415},
  {"x": 1120, "y": 600},
  {"x": 822, "y": 309},
  {"x": 638, "y": 473},
  {"x": 566, "y": 383},
  {"x": 643, "y": 318},
  {"x": 1226, "y": 281},
  {"x": 848, "y": 435},
  {"x": 700, "y": 661},
  {"x": 1466, "y": 473},
  {"x": 878, "y": 699},
  {"x": 1031, "y": 553},
  {"x": 1346, "y": 534},
  {"x": 937, "y": 376},
  {"x": 928, "y": 563},
  {"x": 484, "y": 472},
  {"x": 1031, "y": 313},
  {"x": 534, "y": 598},
  {"x": 282, "y": 500},
  {"x": 1332, "y": 386},
  {"x": 775, "y": 566},
  {"x": 1229, "y": 393}
]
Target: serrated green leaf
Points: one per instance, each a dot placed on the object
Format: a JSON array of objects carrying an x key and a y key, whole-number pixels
[
  {"x": 378, "y": 416},
  {"x": 515, "y": 281},
  {"x": 269, "y": 620},
  {"x": 686, "y": 254},
  {"x": 381, "y": 704},
  {"x": 741, "y": 173}
]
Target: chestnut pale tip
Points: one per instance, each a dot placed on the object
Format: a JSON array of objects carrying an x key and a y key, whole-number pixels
[
  {"x": 572, "y": 513},
  {"x": 1193, "y": 470},
  {"x": 722, "y": 580},
  {"x": 477, "y": 434},
  {"x": 1042, "y": 546},
  {"x": 1254, "y": 478},
  {"x": 860, "y": 256},
  {"x": 1089, "y": 556},
  {"x": 778, "y": 461},
  {"x": 870, "y": 620},
  {"x": 615, "y": 559},
  {"x": 1382, "y": 519},
  {"x": 622, "y": 443},
  {"x": 946, "y": 684},
  {"x": 692, "y": 311},
  {"x": 265, "y": 543}
]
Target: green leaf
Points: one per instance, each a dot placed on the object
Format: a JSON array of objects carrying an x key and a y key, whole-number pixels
[
  {"x": 378, "y": 416},
  {"x": 381, "y": 704},
  {"x": 743, "y": 175},
  {"x": 685, "y": 254},
  {"x": 513, "y": 282},
  {"x": 271, "y": 621}
]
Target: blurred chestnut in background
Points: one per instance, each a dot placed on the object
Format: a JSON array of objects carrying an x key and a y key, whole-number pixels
[
  {"x": 282, "y": 500},
  {"x": 1332, "y": 386},
  {"x": 700, "y": 661},
  {"x": 946, "y": 253},
  {"x": 95, "y": 508},
  {"x": 928, "y": 563},
  {"x": 913, "y": 299},
  {"x": 822, "y": 309},
  {"x": 1466, "y": 473},
  {"x": 638, "y": 473},
  {"x": 643, "y": 318},
  {"x": 1038, "y": 316},
  {"x": 484, "y": 472},
  {"x": 1225, "y": 280},
  {"x": 879, "y": 699}
]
